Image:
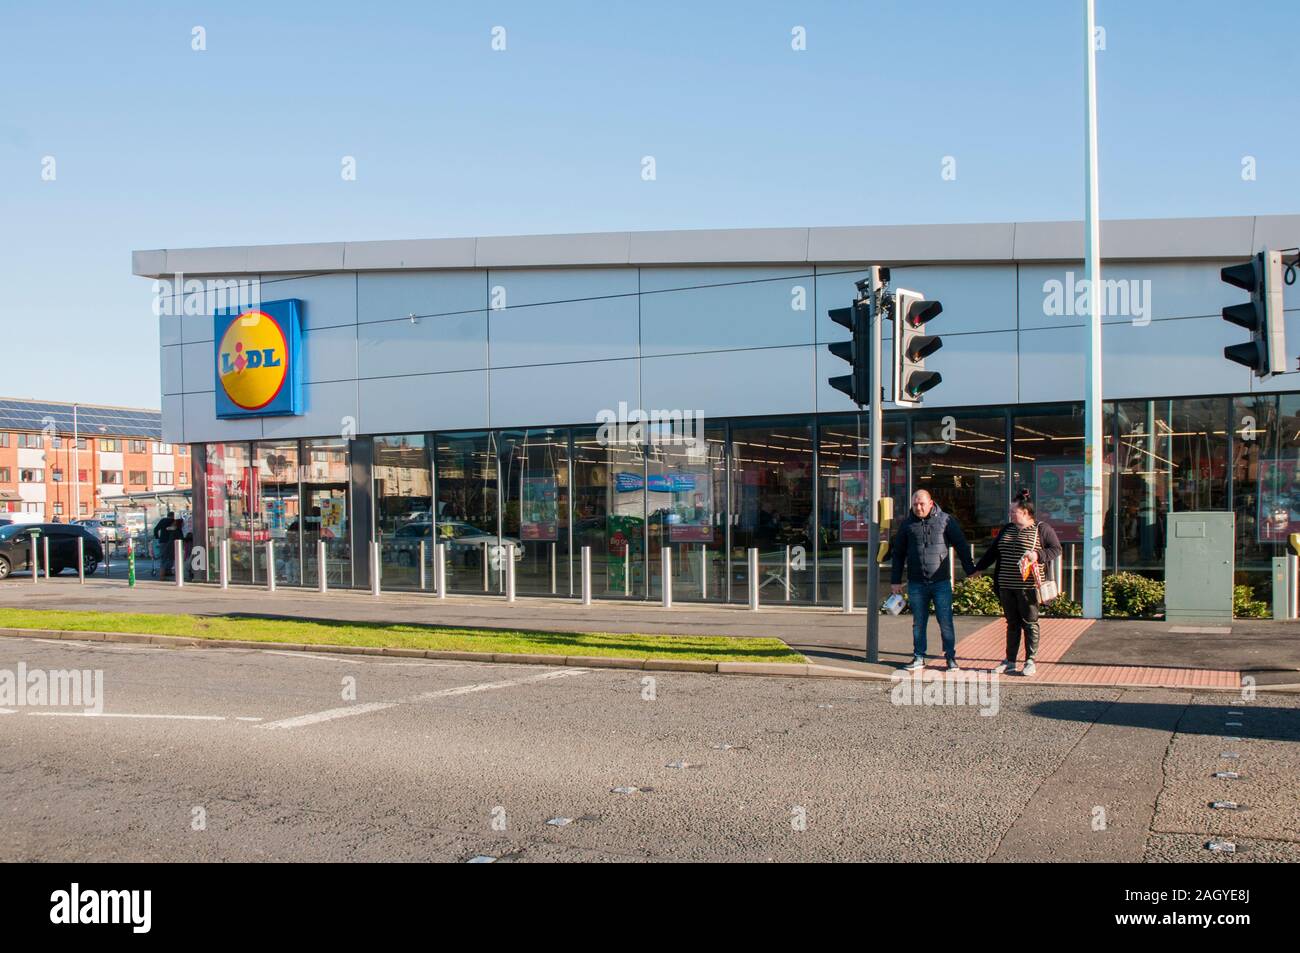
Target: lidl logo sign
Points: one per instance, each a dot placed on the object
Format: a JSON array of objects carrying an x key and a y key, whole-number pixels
[{"x": 257, "y": 364}]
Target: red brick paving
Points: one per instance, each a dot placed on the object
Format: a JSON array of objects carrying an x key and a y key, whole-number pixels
[{"x": 986, "y": 647}]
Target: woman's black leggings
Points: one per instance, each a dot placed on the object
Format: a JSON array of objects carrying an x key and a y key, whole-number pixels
[{"x": 1020, "y": 606}]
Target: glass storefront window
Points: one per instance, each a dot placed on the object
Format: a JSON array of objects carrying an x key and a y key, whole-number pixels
[
  {"x": 962, "y": 460},
  {"x": 403, "y": 499},
  {"x": 465, "y": 467},
  {"x": 535, "y": 512},
  {"x": 844, "y": 457},
  {"x": 1047, "y": 460},
  {"x": 327, "y": 511},
  {"x": 772, "y": 509},
  {"x": 1265, "y": 483},
  {"x": 686, "y": 499},
  {"x": 275, "y": 516},
  {"x": 229, "y": 485},
  {"x": 1171, "y": 457},
  {"x": 609, "y": 511}
]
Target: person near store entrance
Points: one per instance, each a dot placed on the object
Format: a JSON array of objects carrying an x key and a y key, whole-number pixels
[
  {"x": 922, "y": 543},
  {"x": 1023, "y": 547}
]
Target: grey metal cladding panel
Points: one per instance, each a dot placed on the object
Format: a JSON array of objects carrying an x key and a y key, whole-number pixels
[
  {"x": 412, "y": 253},
  {"x": 198, "y": 367},
  {"x": 233, "y": 259},
  {"x": 457, "y": 401},
  {"x": 1050, "y": 294},
  {"x": 169, "y": 330},
  {"x": 562, "y": 394},
  {"x": 383, "y": 296},
  {"x": 195, "y": 327},
  {"x": 329, "y": 354},
  {"x": 903, "y": 243},
  {"x": 731, "y": 383},
  {"x": 977, "y": 369},
  {"x": 317, "y": 256},
  {"x": 555, "y": 333},
  {"x": 1276, "y": 231},
  {"x": 169, "y": 369},
  {"x": 202, "y": 425},
  {"x": 329, "y": 410},
  {"x": 1137, "y": 239},
  {"x": 327, "y": 300},
  {"x": 173, "y": 419},
  {"x": 595, "y": 248},
  {"x": 430, "y": 345},
  {"x": 974, "y": 297},
  {"x": 1283, "y": 382},
  {"x": 1169, "y": 358},
  {"x": 149, "y": 263},
  {"x": 716, "y": 246},
  {"x": 725, "y": 309},
  {"x": 528, "y": 286}
]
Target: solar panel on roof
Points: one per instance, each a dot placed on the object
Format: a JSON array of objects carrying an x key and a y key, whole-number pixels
[{"x": 39, "y": 415}]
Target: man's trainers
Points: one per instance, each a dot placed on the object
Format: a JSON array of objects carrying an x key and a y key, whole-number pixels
[
  {"x": 953, "y": 666},
  {"x": 915, "y": 665},
  {"x": 1030, "y": 668},
  {"x": 1005, "y": 667}
]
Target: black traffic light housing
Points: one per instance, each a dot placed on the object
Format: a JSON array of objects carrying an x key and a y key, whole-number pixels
[
  {"x": 1262, "y": 315},
  {"x": 912, "y": 346},
  {"x": 857, "y": 351}
]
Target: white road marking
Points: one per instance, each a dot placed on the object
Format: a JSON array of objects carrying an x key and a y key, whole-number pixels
[
  {"x": 246, "y": 718},
  {"x": 363, "y": 709},
  {"x": 8, "y": 711},
  {"x": 114, "y": 714}
]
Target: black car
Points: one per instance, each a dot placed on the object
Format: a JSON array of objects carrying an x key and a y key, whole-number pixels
[{"x": 16, "y": 547}]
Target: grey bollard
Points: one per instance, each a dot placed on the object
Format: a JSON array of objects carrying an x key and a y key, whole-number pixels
[
  {"x": 440, "y": 570},
  {"x": 322, "y": 578},
  {"x": 178, "y": 562},
  {"x": 753, "y": 580},
  {"x": 666, "y": 556},
  {"x": 846, "y": 577},
  {"x": 34, "y": 562},
  {"x": 376, "y": 586},
  {"x": 81, "y": 560},
  {"x": 586, "y": 575},
  {"x": 223, "y": 561},
  {"x": 509, "y": 549},
  {"x": 270, "y": 565},
  {"x": 422, "y": 572}
]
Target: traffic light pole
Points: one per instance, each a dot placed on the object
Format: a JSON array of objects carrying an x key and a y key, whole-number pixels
[
  {"x": 1092, "y": 471},
  {"x": 875, "y": 437}
]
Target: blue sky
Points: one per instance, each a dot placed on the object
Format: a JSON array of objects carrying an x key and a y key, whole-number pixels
[{"x": 158, "y": 145}]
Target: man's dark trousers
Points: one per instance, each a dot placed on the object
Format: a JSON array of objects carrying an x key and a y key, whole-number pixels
[{"x": 919, "y": 597}]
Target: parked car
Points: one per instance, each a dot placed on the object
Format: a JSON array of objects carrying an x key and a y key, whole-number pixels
[
  {"x": 403, "y": 546},
  {"x": 106, "y": 528},
  {"x": 16, "y": 547}
]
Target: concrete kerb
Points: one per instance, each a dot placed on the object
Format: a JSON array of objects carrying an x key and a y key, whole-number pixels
[{"x": 783, "y": 669}]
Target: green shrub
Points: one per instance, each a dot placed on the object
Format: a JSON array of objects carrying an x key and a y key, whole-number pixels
[
  {"x": 975, "y": 597},
  {"x": 1061, "y": 608},
  {"x": 1127, "y": 594},
  {"x": 1246, "y": 606}
]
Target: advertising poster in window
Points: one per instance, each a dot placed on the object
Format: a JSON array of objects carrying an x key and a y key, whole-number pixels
[
  {"x": 855, "y": 502},
  {"x": 539, "y": 519},
  {"x": 1279, "y": 500},
  {"x": 692, "y": 514},
  {"x": 1058, "y": 498}
]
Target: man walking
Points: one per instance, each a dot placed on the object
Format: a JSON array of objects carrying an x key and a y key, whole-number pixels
[{"x": 922, "y": 543}]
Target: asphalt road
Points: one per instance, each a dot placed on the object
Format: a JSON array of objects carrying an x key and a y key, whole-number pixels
[{"x": 257, "y": 755}]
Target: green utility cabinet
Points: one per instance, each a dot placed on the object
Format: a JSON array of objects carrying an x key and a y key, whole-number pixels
[{"x": 1199, "y": 566}]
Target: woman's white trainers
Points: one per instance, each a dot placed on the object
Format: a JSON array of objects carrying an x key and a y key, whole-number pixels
[
  {"x": 1030, "y": 668},
  {"x": 1004, "y": 668}
]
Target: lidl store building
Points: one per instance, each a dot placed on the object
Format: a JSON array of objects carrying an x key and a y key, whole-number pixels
[{"x": 486, "y": 390}]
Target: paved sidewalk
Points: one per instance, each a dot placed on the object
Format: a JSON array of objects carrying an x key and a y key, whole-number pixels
[{"x": 1107, "y": 652}]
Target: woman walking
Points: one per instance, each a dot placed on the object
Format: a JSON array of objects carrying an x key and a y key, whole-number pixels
[{"x": 1022, "y": 548}]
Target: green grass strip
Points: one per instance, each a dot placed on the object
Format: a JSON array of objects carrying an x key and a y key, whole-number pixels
[{"x": 330, "y": 632}]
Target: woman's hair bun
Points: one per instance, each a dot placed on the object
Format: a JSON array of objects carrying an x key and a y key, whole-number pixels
[{"x": 1022, "y": 496}]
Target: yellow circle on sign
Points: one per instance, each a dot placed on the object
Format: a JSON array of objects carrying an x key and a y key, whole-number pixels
[{"x": 253, "y": 360}]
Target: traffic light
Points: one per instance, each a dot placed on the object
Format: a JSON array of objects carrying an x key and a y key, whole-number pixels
[
  {"x": 912, "y": 346},
  {"x": 857, "y": 318},
  {"x": 1265, "y": 353}
]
